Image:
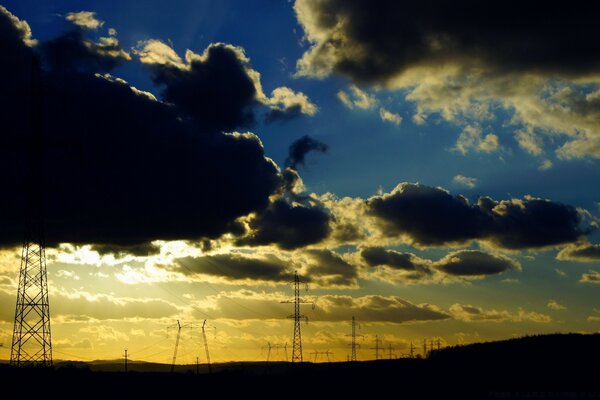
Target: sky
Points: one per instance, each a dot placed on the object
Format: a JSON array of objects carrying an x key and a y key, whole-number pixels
[{"x": 431, "y": 169}]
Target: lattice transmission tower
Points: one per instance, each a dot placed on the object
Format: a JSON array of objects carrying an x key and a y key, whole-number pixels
[
  {"x": 297, "y": 317},
  {"x": 32, "y": 339}
]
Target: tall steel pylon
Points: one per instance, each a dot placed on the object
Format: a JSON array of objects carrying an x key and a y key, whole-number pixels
[
  {"x": 353, "y": 345},
  {"x": 297, "y": 343},
  {"x": 32, "y": 339}
]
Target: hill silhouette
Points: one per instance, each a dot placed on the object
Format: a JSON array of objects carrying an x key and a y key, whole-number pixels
[{"x": 548, "y": 366}]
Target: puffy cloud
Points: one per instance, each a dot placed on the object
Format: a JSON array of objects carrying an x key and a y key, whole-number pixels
[
  {"x": 290, "y": 226},
  {"x": 356, "y": 98},
  {"x": 468, "y": 313},
  {"x": 286, "y": 104},
  {"x": 323, "y": 268},
  {"x": 202, "y": 87},
  {"x": 400, "y": 267},
  {"x": 376, "y": 42},
  {"x": 389, "y": 116},
  {"x": 431, "y": 216},
  {"x": 331, "y": 269},
  {"x": 239, "y": 267},
  {"x": 202, "y": 84},
  {"x": 140, "y": 172},
  {"x": 378, "y": 256},
  {"x": 301, "y": 147},
  {"x": 471, "y": 139},
  {"x": 582, "y": 252},
  {"x": 590, "y": 277},
  {"x": 554, "y": 305},
  {"x": 85, "y": 19},
  {"x": 464, "y": 63},
  {"x": 465, "y": 181},
  {"x": 545, "y": 165},
  {"x": 71, "y": 52},
  {"x": 475, "y": 263}
]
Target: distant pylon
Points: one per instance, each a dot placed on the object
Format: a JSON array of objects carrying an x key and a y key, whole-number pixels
[
  {"x": 377, "y": 348},
  {"x": 297, "y": 343},
  {"x": 353, "y": 344},
  {"x": 176, "y": 346},
  {"x": 412, "y": 350},
  {"x": 391, "y": 355},
  {"x": 32, "y": 340},
  {"x": 206, "y": 347}
]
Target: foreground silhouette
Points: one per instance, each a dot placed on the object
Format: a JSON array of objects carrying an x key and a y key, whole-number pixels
[{"x": 550, "y": 366}]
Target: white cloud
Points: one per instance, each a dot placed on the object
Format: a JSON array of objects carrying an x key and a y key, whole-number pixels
[
  {"x": 468, "y": 313},
  {"x": 357, "y": 98},
  {"x": 85, "y": 19},
  {"x": 465, "y": 181},
  {"x": 554, "y": 305},
  {"x": 545, "y": 165},
  {"x": 471, "y": 139},
  {"x": 386, "y": 115}
]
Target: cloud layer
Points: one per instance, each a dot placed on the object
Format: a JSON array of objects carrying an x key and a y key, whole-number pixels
[{"x": 462, "y": 61}]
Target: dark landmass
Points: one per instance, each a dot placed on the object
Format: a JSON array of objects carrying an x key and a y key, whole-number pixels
[{"x": 550, "y": 366}]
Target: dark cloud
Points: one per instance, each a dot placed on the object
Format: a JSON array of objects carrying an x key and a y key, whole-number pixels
[
  {"x": 300, "y": 148},
  {"x": 125, "y": 169},
  {"x": 330, "y": 269},
  {"x": 475, "y": 263},
  {"x": 378, "y": 256},
  {"x": 141, "y": 250},
  {"x": 235, "y": 267},
  {"x": 72, "y": 53},
  {"x": 214, "y": 88},
  {"x": 290, "y": 226},
  {"x": 432, "y": 217},
  {"x": 583, "y": 252},
  {"x": 375, "y": 41}
]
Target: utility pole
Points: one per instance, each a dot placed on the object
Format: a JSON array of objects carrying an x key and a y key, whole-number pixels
[
  {"x": 125, "y": 355},
  {"x": 424, "y": 348},
  {"x": 430, "y": 345},
  {"x": 176, "y": 346},
  {"x": 353, "y": 344},
  {"x": 32, "y": 340},
  {"x": 206, "y": 347},
  {"x": 297, "y": 316},
  {"x": 376, "y": 348},
  {"x": 439, "y": 345},
  {"x": 412, "y": 350}
]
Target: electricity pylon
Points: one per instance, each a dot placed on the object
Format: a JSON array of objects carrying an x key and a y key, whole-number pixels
[
  {"x": 297, "y": 343},
  {"x": 323, "y": 353},
  {"x": 353, "y": 344},
  {"x": 206, "y": 347},
  {"x": 377, "y": 347},
  {"x": 176, "y": 346},
  {"x": 32, "y": 339}
]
